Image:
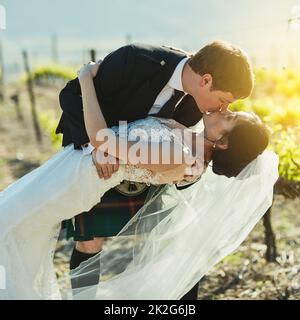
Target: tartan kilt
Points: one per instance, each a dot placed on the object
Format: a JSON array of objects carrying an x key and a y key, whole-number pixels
[{"x": 105, "y": 219}]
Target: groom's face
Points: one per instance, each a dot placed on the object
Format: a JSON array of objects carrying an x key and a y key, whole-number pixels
[{"x": 210, "y": 100}]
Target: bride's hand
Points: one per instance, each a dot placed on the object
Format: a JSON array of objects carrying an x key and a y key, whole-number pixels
[{"x": 88, "y": 70}]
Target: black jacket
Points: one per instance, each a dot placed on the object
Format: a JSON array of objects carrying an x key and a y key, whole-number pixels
[{"x": 127, "y": 83}]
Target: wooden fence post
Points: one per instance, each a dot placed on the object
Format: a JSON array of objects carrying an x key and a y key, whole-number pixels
[
  {"x": 36, "y": 124},
  {"x": 93, "y": 55},
  {"x": 16, "y": 101},
  {"x": 2, "y": 89},
  {"x": 270, "y": 239}
]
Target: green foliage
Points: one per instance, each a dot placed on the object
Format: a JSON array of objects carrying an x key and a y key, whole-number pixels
[
  {"x": 49, "y": 74},
  {"x": 277, "y": 101},
  {"x": 286, "y": 144},
  {"x": 235, "y": 258},
  {"x": 285, "y": 83},
  {"x": 49, "y": 122},
  {"x": 287, "y": 117}
]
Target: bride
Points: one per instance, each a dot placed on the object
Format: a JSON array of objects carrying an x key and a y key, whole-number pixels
[{"x": 213, "y": 215}]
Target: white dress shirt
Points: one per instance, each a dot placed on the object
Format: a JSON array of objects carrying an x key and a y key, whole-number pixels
[{"x": 166, "y": 93}]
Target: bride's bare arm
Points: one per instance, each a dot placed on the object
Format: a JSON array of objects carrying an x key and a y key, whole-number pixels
[{"x": 93, "y": 116}]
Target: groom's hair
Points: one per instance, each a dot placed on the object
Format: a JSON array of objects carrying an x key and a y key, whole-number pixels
[
  {"x": 246, "y": 141},
  {"x": 228, "y": 65}
]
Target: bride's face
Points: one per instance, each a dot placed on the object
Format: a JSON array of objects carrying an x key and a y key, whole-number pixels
[{"x": 218, "y": 125}]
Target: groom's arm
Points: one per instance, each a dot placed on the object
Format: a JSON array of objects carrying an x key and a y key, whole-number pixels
[{"x": 111, "y": 77}]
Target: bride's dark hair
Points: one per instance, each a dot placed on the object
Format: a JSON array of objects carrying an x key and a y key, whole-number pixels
[{"x": 246, "y": 141}]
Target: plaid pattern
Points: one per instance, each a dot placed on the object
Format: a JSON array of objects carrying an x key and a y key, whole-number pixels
[{"x": 107, "y": 218}]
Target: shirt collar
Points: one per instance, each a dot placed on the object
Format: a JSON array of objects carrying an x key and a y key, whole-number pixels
[{"x": 176, "y": 81}]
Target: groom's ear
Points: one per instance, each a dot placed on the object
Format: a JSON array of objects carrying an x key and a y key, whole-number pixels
[{"x": 206, "y": 80}]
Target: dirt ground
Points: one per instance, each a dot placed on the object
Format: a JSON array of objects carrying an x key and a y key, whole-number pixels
[{"x": 242, "y": 275}]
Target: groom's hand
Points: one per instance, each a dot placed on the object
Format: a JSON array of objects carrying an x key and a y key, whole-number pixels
[{"x": 105, "y": 170}]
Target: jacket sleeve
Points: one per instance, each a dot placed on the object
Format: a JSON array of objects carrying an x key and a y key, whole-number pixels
[
  {"x": 109, "y": 79},
  {"x": 72, "y": 119}
]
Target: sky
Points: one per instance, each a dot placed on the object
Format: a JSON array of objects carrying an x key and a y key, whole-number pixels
[{"x": 258, "y": 26}]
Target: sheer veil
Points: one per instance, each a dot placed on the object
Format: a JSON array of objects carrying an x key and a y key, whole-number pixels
[{"x": 178, "y": 236}]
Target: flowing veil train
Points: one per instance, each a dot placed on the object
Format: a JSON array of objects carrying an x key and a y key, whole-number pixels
[{"x": 178, "y": 236}]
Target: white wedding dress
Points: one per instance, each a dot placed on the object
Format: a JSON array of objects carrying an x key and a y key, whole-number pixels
[{"x": 32, "y": 208}]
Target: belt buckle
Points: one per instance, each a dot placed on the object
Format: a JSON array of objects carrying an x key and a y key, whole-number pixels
[{"x": 131, "y": 189}]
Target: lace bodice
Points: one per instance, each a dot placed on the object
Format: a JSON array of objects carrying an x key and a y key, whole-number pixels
[{"x": 149, "y": 129}]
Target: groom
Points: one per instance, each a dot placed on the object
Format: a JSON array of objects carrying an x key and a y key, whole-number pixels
[{"x": 135, "y": 81}]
